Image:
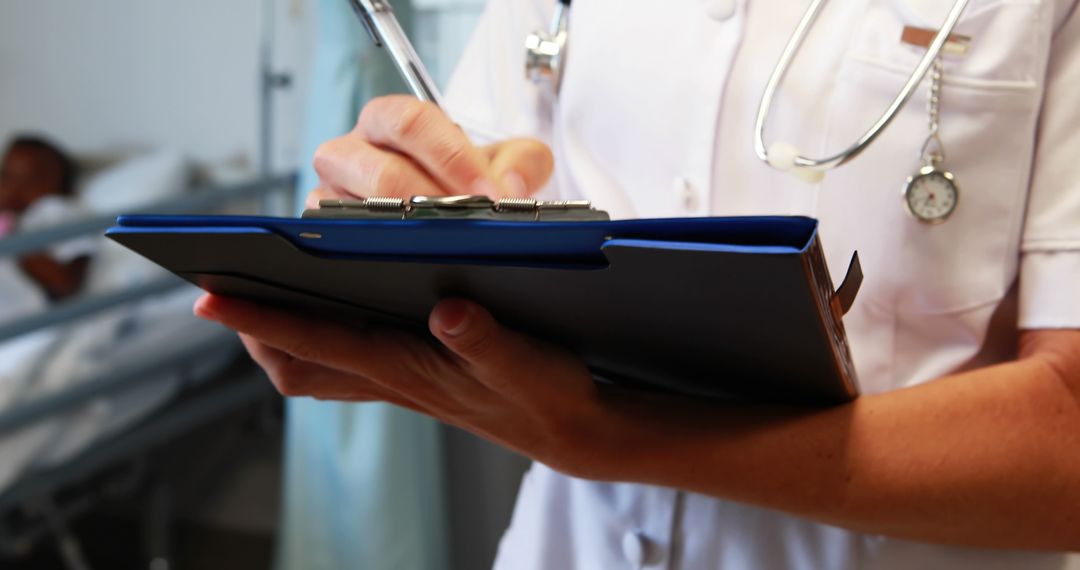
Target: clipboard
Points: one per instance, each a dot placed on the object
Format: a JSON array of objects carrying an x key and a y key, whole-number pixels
[{"x": 718, "y": 307}]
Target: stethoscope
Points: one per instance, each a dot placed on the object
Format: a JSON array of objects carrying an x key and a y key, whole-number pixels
[
  {"x": 545, "y": 50},
  {"x": 545, "y": 60}
]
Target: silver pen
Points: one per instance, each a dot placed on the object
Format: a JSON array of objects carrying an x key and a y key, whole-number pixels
[{"x": 378, "y": 18}]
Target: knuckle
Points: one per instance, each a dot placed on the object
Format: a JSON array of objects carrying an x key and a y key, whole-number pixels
[
  {"x": 374, "y": 108},
  {"x": 385, "y": 177},
  {"x": 288, "y": 383},
  {"x": 324, "y": 157},
  {"x": 308, "y": 352},
  {"x": 288, "y": 390},
  {"x": 476, "y": 346},
  {"x": 534, "y": 149},
  {"x": 451, "y": 155},
  {"x": 301, "y": 350},
  {"x": 543, "y": 156},
  {"x": 534, "y": 159},
  {"x": 412, "y": 120}
]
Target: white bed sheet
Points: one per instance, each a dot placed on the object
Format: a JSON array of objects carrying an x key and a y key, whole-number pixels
[
  {"x": 50, "y": 361},
  {"x": 53, "y": 360}
]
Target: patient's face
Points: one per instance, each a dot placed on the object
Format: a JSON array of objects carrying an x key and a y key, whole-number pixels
[{"x": 27, "y": 175}]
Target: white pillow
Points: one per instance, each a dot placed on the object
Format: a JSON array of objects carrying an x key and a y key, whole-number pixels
[{"x": 136, "y": 182}]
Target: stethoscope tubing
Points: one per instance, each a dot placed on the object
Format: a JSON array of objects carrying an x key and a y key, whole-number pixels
[{"x": 784, "y": 64}]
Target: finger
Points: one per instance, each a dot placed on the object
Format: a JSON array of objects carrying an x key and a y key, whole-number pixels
[
  {"x": 420, "y": 372},
  {"x": 311, "y": 202},
  {"x": 293, "y": 377},
  {"x": 361, "y": 169},
  {"x": 496, "y": 355},
  {"x": 379, "y": 355},
  {"x": 522, "y": 166},
  {"x": 423, "y": 132}
]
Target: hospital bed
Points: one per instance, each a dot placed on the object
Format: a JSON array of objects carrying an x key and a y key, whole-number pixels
[{"x": 93, "y": 384}]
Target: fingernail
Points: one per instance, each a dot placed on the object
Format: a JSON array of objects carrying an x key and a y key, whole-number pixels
[
  {"x": 454, "y": 317},
  {"x": 514, "y": 184},
  {"x": 485, "y": 187},
  {"x": 202, "y": 311}
]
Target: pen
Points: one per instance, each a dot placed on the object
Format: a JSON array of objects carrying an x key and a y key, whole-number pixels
[{"x": 378, "y": 18}]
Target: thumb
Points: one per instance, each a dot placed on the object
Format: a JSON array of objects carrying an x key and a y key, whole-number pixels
[
  {"x": 470, "y": 332},
  {"x": 521, "y": 166}
]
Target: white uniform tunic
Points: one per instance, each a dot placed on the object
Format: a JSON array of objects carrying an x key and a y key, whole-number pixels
[{"x": 655, "y": 118}]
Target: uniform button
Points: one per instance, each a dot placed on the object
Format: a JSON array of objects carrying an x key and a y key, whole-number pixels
[
  {"x": 633, "y": 548},
  {"x": 720, "y": 10},
  {"x": 685, "y": 194}
]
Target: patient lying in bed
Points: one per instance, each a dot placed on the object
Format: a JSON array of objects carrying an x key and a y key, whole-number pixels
[{"x": 37, "y": 182}]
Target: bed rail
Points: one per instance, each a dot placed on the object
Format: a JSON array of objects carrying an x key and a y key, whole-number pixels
[
  {"x": 200, "y": 199},
  {"x": 31, "y": 411},
  {"x": 86, "y": 306},
  {"x": 208, "y": 404}
]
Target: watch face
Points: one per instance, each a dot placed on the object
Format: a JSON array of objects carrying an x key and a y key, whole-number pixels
[{"x": 931, "y": 195}]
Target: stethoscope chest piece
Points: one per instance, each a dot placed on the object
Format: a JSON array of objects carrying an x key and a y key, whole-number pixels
[{"x": 545, "y": 50}]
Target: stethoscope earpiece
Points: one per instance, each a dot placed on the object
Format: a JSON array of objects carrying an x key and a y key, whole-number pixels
[{"x": 545, "y": 50}]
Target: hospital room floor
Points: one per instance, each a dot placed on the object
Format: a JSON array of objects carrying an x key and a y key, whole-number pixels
[
  {"x": 108, "y": 543},
  {"x": 223, "y": 485}
]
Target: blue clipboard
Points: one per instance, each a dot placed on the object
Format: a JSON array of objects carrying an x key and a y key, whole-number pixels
[{"x": 716, "y": 307}]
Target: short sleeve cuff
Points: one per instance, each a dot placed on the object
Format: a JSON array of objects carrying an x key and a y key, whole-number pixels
[
  {"x": 68, "y": 251},
  {"x": 1050, "y": 290}
]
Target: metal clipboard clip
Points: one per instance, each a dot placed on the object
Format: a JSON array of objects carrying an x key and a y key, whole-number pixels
[{"x": 457, "y": 207}]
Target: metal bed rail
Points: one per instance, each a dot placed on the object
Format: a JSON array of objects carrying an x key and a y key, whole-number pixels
[
  {"x": 71, "y": 310},
  {"x": 201, "y": 199},
  {"x": 187, "y": 413},
  {"x": 37, "y": 494},
  {"x": 31, "y": 411},
  {"x": 212, "y": 402},
  {"x": 204, "y": 403}
]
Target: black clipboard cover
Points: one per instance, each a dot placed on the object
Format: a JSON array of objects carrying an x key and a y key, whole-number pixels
[{"x": 717, "y": 307}]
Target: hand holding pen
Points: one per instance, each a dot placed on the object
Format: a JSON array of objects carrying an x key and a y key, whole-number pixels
[{"x": 403, "y": 145}]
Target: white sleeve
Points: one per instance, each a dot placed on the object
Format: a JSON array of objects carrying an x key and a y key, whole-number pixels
[
  {"x": 54, "y": 211},
  {"x": 488, "y": 94},
  {"x": 1050, "y": 247},
  {"x": 72, "y": 249}
]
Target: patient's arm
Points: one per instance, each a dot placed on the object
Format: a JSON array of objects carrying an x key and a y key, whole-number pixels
[{"x": 59, "y": 280}]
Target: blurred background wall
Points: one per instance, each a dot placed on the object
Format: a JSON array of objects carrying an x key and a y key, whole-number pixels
[
  {"x": 121, "y": 73},
  {"x": 147, "y": 73}
]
